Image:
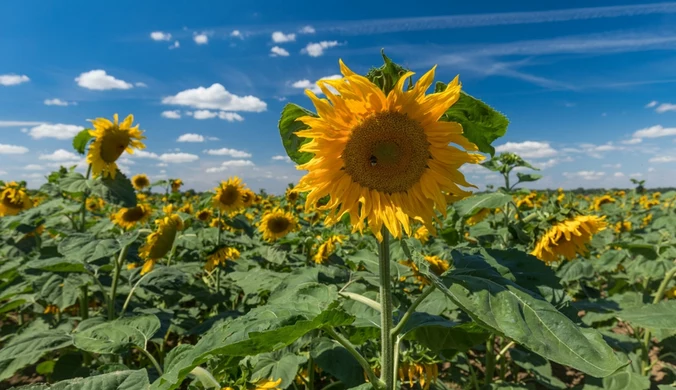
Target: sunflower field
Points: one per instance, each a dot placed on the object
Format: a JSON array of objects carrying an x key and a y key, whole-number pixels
[{"x": 383, "y": 268}]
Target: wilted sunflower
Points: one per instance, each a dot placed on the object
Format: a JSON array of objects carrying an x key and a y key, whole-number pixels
[
  {"x": 13, "y": 199},
  {"x": 111, "y": 140},
  {"x": 95, "y": 204},
  {"x": 600, "y": 201},
  {"x": 228, "y": 195},
  {"x": 248, "y": 198},
  {"x": 327, "y": 248},
  {"x": 203, "y": 215},
  {"x": 383, "y": 159},
  {"x": 268, "y": 384},
  {"x": 176, "y": 185},
  {"x": 437, "y": 265},
  {"x": 478, "y": 217},
  {"x": 568, "y": 238},
  {"x": 220, "y": 256},
  {"x": 140, "y": 181},
  {"x": 425, "y": 374},
  {"x": 51, "y": 309},
  {"x": 622, "y": 227},
  {"x": 127, "y": 218},
  {"x": 160, "y": 242},
  {"x": 276, "y": 224},
  {"x": 422, "y": 234}
]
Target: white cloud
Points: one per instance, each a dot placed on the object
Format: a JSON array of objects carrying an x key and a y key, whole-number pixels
[
  {"x": 230, "y": 116},
  {"x": 162, "y": 165},
  {"x": 307, "y": 30},
  {"x": 141, "y": 85},
  {"x": 228, "y": 152},
  {"x": 615, "y": 166},
  {"x": 585, "y": 175},
  {"x": 160, "y": 36},
  {"x": 286, "y": 159},
  {"x": 178, "y": 157},
  {"x": 216, "y": 97},
  {"x": 58, "y": 131},
  {"x": 655, "y": 132},
  {"x": 278, "y": 51},
  {"x": 636, "y": 175},
  {"x": 651, "y": 169},
  {"x": 651, "y": 104},
  {"x": 664, "y": 107},
  {"x": 618, "y": 174},
  {"x": 280, "y": 37},
  {"x": 306, "y": 84},
  {"x": 13, "y": 79},
  {"x": 172, "y": 114},
  {"x": 59, "y": 155},
  {"x": 632, "y": 141},
  {"x": 317, "y": 49},
  {"x": 236, "y": 34},
  {"x": 99, "y": 80},
  {"x": 175, "y": 45},
  {"x": 225, "y": 165},
  {"x": 12, "y": 149},
  {"x": 33, "y": 167},
  {"x": 19, "y": 123},
  {"x": 201, "y": 39},
  {"x": 144, "y": 154},
  {"x": 663, "y": 159},
  {"x": 190, "y": 137},
  {"x": 204, "y": 114},
  {"x": 528, "y": 149},
  {"x": 59, "y": 102}
]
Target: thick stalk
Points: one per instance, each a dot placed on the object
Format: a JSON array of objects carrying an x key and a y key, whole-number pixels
[
  {"x": 490, "y": 359},
  {"x": 645, "y": 362},
  {"x": 386, "y": 339},
  {"x": 310, "y": 373},
  {"x": 116, "y": 278},
  {"x": 353, "y": 351},
  {"x": 83, "y": 208}
]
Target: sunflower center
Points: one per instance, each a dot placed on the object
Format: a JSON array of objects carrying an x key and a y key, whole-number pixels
[
  {"x": 278, "y": 224},
  {"x": 113, "y": 145},
  {"x": 388, "y": 152},
  {"x": 133, "y": 214},
  {"x": 229, "y": 195},
  {"x": 142, "y": 182}
]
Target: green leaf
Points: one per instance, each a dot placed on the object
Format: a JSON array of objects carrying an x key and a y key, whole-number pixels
[
  {"x": 119, "y": 380},
  {"x": 28, "y": 348},
  {"x": 57, "y": 264},
  {"x": 118, "y": 191},
  {"x": 439, "y": 334},
  {"x": 524, "y": 177},
  {"x": 658, "y": 316},
  {"x": 474, "y": 203},
  {"x": 387, "y": 76},
  {"x": 288, "y": 126},
  {"x": 481, "y": 124},
  {"x": 80, "y": 141},
  {"x": 539, "y": 366},
  {"x": 277, "y": 365},
  {"x": 334, "y": 359},
  {"x": 117, "y": 336},
  {"x": 85, "y": 248},
  {"x": 507, "y": 309},
  {"x": 626, "y": 380},
  {"x": 73, "y": 183}
]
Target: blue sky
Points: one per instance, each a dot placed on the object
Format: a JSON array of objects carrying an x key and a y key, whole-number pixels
[{"x": 589, "y": 88}]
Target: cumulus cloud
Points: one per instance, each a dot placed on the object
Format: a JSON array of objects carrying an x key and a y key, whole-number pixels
[
  {"x": 528, "y": 149},
  {"x": 230, "y": 116},
  {"x": 664, "y": 107},
  {"x": 663, "y": 159},
  {"x": 307, "y": 30},
  {"x": 306, "y": 84},
  {"x": 585, "y": 175},
  {"x": 58, "y": 131},
  {"x": 215, "y": 97},
  {"x": 201, "y": 39},
  {"x": 13, "y": 79},
  {"x": 160, "y": 36},
  {"x": 228, "y": 152},
  {"x": 171, "y": 114},
  {"x": 144, "y": 154},
  {"x": 225, "y": 165},
  {"x": 175, "y": 45},
  {"x": 99, "y": 80},
  {"x": 632, "y": 141},
  {"x": 277, "y": 51},
  {"x": 317, "y": 49},
  {"x": 190, "y": 137},
  {"x": 178, "y": 157},
  {"x": 286, "y": 159},
  {"x": 651, "y": 104},
  {"x": 58, "y": 102},
  {"x": 280, "y": 37},
  {"x": 19, "y": 123},
  {"x": 616, "y": 166},
  {"x": 236, "y": 34},
  {"x": 206, "y": 114},
  {"x": 655, "y": 132},
  {"x": 12, "y": 149},
  {"x": 33, "y": 167},
  {"x": 59, "y": 155},
  {"x": 618, "y": 174}
]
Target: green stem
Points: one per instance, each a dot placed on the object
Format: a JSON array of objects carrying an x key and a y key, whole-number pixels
[
  {"x": 83, "y": 208},
  {"x": 334, "y": 384},
  {"x": 152, "y": 359},
  {"x": 404, "y": 319},
  {"x": 490, "y": 359},
  {"x": 353, "y": 351},
  {"x": 131, "y": 293},
  {"x": 310, "y": 374},
  {"x": 204, "y": 376},
  {"x": 645, "y": 362},
  {"x": 116, "y": 278},
  {"x": 472, "y": 373},
  {"x": 386, "y": 339},
  {"x": 396, "y": 358},
  {"x": 84, "y": 314},
  {"x": 504, "y": 350}
]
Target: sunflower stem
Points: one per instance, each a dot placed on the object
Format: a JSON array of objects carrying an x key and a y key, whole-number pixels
[
  {"x": 84, "y": 314},
  {"x": 490, "y": 360},
  {"x": 645, "y": 362},
  {"x": 218, "y": 245},
  {"x": 386, "y": 337},
  {"x": 358, "y": 356},
  {"x": 83, "y": 208},
  {"x": 131, "y": 293},
  {"x": 116, "y": 278}
]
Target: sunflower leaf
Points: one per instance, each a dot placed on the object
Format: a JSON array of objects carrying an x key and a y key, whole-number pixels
[
  {"x": 118, "y": 191},
  {"x": 481, "y": 123},
  {"x": 81, "y": 140},
  {"x": 387, "y": 76},
  {"x": 288, "y": 126}
]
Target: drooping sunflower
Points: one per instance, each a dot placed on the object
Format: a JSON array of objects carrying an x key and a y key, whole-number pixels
[
  {"x": 128, "y": 217},
  {"x": 437, "y": 265},
  {"x": 228, "y": 195},
  {"x": 276, "y": 224},
  {"x": 248, "y": 198},
  {"x": 568, "y": 238},
  {"x": 220, "y": 257},
  {"x": 600, "y": 201},
  {"x": 268, "y": 384},
  {"x": 383, "y": 159},
  {"x": 422, "y": 234},
  {"x": 13, "y": 199},
  {"x": 160, "y": 242},
  {"x": 622, "y": 227},
  {"x": 424, "y": 373},
  {"x": 327, "y": 248},
  {"x": 111, "y": 140},
  {"x": 291, "y": 195},
  {"x": 203, "y": 215},
  {"x": 176, "y": 185},
  {"x": 140, "y": 181}
]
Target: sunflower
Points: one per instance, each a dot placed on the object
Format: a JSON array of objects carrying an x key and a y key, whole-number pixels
[
  {"x": 327, "y": 248},
  {"x": 140, "y": 181},
  {"x": 383, "y": 159},
  {"x": 422, "y": 234},
  {"x": 291, "y": 195},
  {"x": 13, "y": 199},
  {"x": 568, "y": 238},
  {"x": 437, "y": 265},
  {"x": 228, "y": 196},
  {"x": 478, "y": 217},
  {"x": 95, "y": 204},
  {"x": 622, "y": 227},
  {"x": 203, "y": 215},
  {"x": 176, "y": 185},
  {"x": 127, "y": 218},
  {"x": 268, "y": 384},
  {"x": 160, "y": 242},
  {"x": 426, "y": 374},
  {"x": 220, "y": 257},
  {"x": 600, "y": 201},
  {"x": 646, "y": 220},
  {"x": 51, "y": 309},
  {"x": 248, "y": 198},
  {"x": 186, "y": 208},
  {"x": 276, "y": 224},
  {"x": 111, "y": 140}
]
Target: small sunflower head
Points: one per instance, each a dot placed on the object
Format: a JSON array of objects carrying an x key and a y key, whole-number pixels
[
  {"x": 140, "y": 182},
  {"x": 127, "y": 218},
  {"x": 204, "y": 215},
  {"x": 176, "y": 185},
  {"x": 14, "y": 199},
  {"x": 276, "y": 224},
  {"x": 111, "y": 139},
  {"x": 228, "y": 195}
]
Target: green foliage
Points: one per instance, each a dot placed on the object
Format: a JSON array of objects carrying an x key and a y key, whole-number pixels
[
  {"x": 81, "y": 140},
  {"x": 288, "y": 126}
]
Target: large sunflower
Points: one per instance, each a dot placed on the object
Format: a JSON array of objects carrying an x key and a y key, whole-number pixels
[
  {"x": 228, "y": 196},
  {"x": 277, "y": 223},
  {"x": 160, "y": 242},
  {"x": 568, "y": 238},
  {"x": 13, "y": 199},
  {"x": 385, "y": 159},
  {"x": 111, "y": 140},
  {"x": 140, "y": 181},
  {"x": 127, "y": 218}
]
